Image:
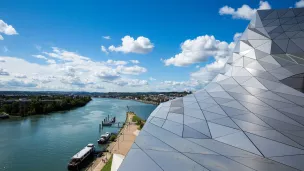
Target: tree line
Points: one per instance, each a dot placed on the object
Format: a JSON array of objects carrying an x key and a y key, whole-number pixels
[{"x": 38, "y": 105}]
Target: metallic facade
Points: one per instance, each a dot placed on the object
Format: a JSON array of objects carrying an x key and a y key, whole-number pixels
[{"x": 250, "y": 117}]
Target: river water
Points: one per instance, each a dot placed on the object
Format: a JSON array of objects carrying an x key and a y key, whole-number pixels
[{"x": 47, "y": 142}]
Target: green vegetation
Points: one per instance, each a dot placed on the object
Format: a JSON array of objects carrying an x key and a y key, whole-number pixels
[
  {"x": 40, "y": 105},
  {"x": 108, "y": 165},
  {"x": 113, "y": 137},
  {"x": 136, "y": 119},
  {"x": 140, "y": 122}
]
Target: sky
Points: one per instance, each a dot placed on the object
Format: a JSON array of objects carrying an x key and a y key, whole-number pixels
[{"x": 120, "y": 46}]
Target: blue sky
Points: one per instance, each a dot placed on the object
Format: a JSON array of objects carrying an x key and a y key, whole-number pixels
[{"x": 57, "y": 45}]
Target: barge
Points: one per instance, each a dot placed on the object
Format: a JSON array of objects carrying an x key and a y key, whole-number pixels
[
  {"x": 78, "y": 159},
  {"x": 108, "y": 122}
]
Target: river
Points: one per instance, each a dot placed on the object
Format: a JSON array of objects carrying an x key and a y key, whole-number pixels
[{"x": 47, "y": 142}]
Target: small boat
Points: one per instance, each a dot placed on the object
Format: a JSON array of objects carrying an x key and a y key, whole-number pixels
[
  {"x": 80, "y": 157},
  {"x": 4, "y": 116},
  {"x": 104, "y": 138}
]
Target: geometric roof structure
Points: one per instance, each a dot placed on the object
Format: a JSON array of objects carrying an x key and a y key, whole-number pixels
[{"x": 249, "y": 117}]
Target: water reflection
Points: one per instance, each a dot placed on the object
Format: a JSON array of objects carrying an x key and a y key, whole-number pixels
[{"x": 47, "y": 142}]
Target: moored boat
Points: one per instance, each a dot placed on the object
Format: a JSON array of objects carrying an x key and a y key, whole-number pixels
[
  {"x": 4, "y": 116},
  {"x": 108, "y": 122},
  {"x": 78, "y": 159},
  {"x": 104, "y": 138}
]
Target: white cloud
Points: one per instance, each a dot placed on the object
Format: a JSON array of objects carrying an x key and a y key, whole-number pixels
[
  {"x": 107, "y": 75},
  {"x": 299, "y": 4},
  {"x": 47, "y": 60},
  {"x": 104, "y": 49},
  {"x": 106, "y": 37},
  {"x": 237, "y": 37},
  {"x": 98, "y": 87},
  {"x": 5, "y": 49},
  {"x": 51, "y": 61},
  {"x": 65, "y": 55},
  {"x": 244, "y": 12},
  {"x": 152, "y": 79},
  {"x": 19, "y": 83},
  {"x": 40, "y": 57},
  {"x": 70, "y": 71},
  {"x": 131, "y": 82},
  {"x": 208, "y": 72},
  {"x": 113, "y": 62},
  {"x": 1, "y": 37},
  {"x": 199, "y": 50},
  {"x": 134, "y": 61},
  {"x": 3, "y": 72},
  {"x": 76, "y": 81},
  {"x": 132, "y": 70},
  {"x": 7, "y": 29},
  {"x": 18, "y": 75},
  {"x": 141, "y": 45},
  {"x": 43, "y": 79},
  {"x": 179, "y": 85}
]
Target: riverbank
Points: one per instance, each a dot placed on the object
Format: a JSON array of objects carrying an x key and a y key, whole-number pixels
[
  {"x": 122, "y": 145},
  {"x": 49, "y": 141},
  {"x": 148, "y": 102},
  {"x": 37, "y": 105}
]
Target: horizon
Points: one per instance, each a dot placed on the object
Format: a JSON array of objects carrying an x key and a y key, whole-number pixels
[{"x": 118, "y": 46}]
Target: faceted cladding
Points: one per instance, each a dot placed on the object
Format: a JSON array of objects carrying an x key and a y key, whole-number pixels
[{"x": 249, "y": 117}]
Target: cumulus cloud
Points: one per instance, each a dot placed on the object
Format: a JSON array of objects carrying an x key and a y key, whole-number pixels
[
  {"x": 76, "y": 81},
  {"x": 70, "y": 71},
  {"x": 43, "y": 79},
  {"x": 208, "y": 72},
  {"x": 104, "y": 49},
  {"x": 3, "y": 72},
  {"x": 199, "y": 50},
  {"x": 19, "y": 83},
  {"x": 244, "y": 12},
  {"x": 18, "y": 75},
  {"x": 51, "y": 61},
  {"x": 7, "y": 29},
  {"x": 152, "y": 79},
  {"x": 64, "y": 55},
  {"x": 141, "y": 45},
  {"x": 107, "y": 75},
  {"x": 98, "y": 87},
  {"x": 179, "y": 85},
  {"x": 40, "y": 57},
  {"x": 113, "y": 62},
  {"x": 1, "y": 37},
  {"x": 47, "y": 60},
  {"x": 299, "y": 4},
  {"x": 134, "y": 61},
  {"x": 131, "y": 82},
  {"x": 106, "y": 37},
  {"x": 237, "y": 37},
  {"x": 132, "y": 70}
]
